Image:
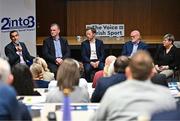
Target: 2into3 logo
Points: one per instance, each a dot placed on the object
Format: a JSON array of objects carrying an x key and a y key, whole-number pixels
[{"x": 20, "y": 23}]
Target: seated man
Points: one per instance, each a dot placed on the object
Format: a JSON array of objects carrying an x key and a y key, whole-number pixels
[
  {"x": 133, "y": 45},
  {"x": 55, "y": 48},
  {"x": 16, "y": 51},
  {"x": 92, "y": 51},
  {"x": 10, "y": 108}
]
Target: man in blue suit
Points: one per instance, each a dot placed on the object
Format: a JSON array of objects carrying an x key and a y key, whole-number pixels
[
  {"x": 55, "y": 48},
  {"x": 16, "y": 51},
  {"x": 135, "y": 44},
  {"x": 92, "y": 51}
]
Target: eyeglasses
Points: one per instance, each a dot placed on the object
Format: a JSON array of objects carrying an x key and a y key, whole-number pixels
[{"x": 133, "y": 36}]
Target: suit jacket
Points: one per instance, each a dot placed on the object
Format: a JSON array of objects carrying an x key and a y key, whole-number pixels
[
  {"x": 104, "y": 83},
  {"x": 128, "y": 47},
  {"x": 14, "y": 58},
  {"x": 85, "y": 51},
  {"x": 48, "y": 50}
]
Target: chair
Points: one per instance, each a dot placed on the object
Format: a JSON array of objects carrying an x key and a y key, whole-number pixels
[{"x": 176, "y": 74}]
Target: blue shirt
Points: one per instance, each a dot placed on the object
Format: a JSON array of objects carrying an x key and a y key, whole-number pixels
[
  {"x": 135, "y": 47},
  {"x": 57, "y": 46}
]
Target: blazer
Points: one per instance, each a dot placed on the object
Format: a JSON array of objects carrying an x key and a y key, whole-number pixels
[
  {"x": 14, "y": 58},
  {"x": 104, "y": 83},
  {"x": 48, "y": 50},
  {"x": 85, "y": 51},
  {"x": 128, "y": 47}
]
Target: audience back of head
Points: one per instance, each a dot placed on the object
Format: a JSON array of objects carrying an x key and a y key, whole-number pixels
[
  {"x": 23, "y": 82},
  {"x": 120, "y": 64},
  {"x": 141, "y": 65},
  {"x": 5, "y": 71},
  {"x": 68, "y": 74},
  {"x": 37, "y": 71}
]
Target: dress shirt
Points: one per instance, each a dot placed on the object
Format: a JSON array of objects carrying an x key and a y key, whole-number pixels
[
  {"x": 135, "y": 47},
  {"x": 93, "y": 55},
  {"x": 19, "y": 52},
  {"x": 57, "y": 46}
]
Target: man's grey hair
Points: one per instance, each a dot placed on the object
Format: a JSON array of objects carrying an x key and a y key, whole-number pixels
[{"x": 5, "y": 70}]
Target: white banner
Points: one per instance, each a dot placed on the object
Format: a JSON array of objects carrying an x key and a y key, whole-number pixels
[
  {"x": 109, "y": 30},
  {"x": 18, "y": 15}
]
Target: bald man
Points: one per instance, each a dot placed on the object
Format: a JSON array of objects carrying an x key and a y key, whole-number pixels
[{"x": 134, "y": 44}]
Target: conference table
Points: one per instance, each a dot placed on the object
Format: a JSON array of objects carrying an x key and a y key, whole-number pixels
[
  {"x": 112, "y": 45},
  {"x": 75, "y": 41},
  {"x": 79, "y": 111}
]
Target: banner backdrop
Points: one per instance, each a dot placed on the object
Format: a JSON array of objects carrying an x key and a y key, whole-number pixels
[
  {"x": 18, "y": 15},
  {"x": 108, "y": 30}
]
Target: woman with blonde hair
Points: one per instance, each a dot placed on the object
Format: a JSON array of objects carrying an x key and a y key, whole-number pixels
[
  {"x": 37, "y": 73},
  {"x": 47, "y": 75},
  {"x": 68, "y": 78}
]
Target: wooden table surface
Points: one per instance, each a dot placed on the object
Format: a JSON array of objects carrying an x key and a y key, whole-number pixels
[{"x": 72, "y": 40}]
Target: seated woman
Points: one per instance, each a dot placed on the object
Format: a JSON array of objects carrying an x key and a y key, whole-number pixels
[
  {"x": 23, "y": 82},
  {"x": 47, "y": 75},
  {"x": 68, "y": 78},
  {"x": 165, "y": 58},
  {"x": 37, "y": 73}
]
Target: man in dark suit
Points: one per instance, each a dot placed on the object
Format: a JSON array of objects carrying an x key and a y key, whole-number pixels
[
  {"x": 92, "y": 52},
  {"x": 135, "y": 44},
  {"x": 105, "y": 82},
  {"x": 55, "y": 49},
  {"x": 16, "y": 51}
]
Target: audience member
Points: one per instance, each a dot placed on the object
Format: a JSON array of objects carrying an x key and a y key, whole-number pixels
[
  {"x": 55, "y": 48},
  {"x": 92, "y": 52},
  {"x": 165, "y": 58},
  {"x": 16, "y": 51},
  {"x": 104, "y": 72},
  {"x": 23, "y": 82},
  {"x": 82, "y": 82},
  {"x": 68, "y": 78},
  {"x": 47, "y": 75},
  {"x": 10, "y": 108},
  {"x": 134, "y": 44},
  {"x": 37, "y": 73},
  {"x": 105, "y": 82},
  {"x": 137, "y": 96}
]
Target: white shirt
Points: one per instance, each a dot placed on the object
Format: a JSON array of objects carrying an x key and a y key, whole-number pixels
[
  {"x": 93, "y": 55},
  {"x": 19, "y": 53},
  {"x": 135, "y": 48}
]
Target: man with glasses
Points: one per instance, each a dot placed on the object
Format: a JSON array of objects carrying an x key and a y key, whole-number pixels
[{"x": 135, "y": 44}]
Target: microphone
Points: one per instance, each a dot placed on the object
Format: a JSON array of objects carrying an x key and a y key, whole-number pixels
[{"x": 16, "y": 43}]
